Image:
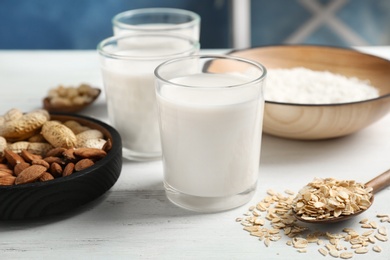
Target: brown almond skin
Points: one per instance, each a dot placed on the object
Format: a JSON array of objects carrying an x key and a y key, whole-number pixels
[
  {"x": 46, "y": 177},
  {"x": 69, "y": 154},
  {"x": 7, "y": 171},
  {"x": 56, "y": 169},
  {"x": 20, "y": 167},
  {"x": 7, "y": 180},
  {"x": 107, "y": 146},
  {"x": 12, "y": 158},
  {"x": 68, "y": 170},
  {"x": 83, "y": 164},
  {"x": 29, "y": 157},
  {"x": 30, "y": 174},
  {"x": 3, "y": 166},
  {"x": 93, "y": 153},
  {"x": 53, "y": 159},
  {"x": 41, "y": 162},
  {"x": 2, "y": 174},
  {"x": 55, "y": 152}
]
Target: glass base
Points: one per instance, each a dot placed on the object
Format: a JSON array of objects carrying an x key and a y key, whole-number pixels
[
  {"x": 208, "y": 204},
  {"x": 140, "y": 157}
]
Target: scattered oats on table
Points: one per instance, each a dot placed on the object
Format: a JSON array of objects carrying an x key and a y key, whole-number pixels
[{"x": 279, "y": 224}]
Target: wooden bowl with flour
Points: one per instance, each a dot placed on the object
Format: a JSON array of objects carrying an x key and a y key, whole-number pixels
[{"x": 314, "y": 119}]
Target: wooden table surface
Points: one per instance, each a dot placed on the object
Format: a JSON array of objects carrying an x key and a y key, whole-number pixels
[{"x": 134, "y": 220}]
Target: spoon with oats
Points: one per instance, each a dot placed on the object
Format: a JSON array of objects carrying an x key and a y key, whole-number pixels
[{"x": 329, "y": 200}]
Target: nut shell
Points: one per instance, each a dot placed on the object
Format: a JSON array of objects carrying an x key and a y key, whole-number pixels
[
  {"x": 58, "y": 135},
  {"x": 25, "y": 126}
]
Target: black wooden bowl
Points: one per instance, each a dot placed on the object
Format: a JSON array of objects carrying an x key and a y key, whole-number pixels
[{"x": 63, "y": 194}]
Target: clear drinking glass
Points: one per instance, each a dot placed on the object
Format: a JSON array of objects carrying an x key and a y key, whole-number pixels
[
  {"x": 158, "y": 20},
  {"x": 127, "y": 66},
  {"x": 211, "y": 114}
]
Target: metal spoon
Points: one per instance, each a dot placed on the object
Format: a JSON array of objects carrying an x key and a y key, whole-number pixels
[{"x": 377, "y": 184}]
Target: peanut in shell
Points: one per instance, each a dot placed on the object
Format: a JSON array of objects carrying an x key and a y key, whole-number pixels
[
  {"x": 58, "y": 135},
  {"x": 25, "y": 126}
]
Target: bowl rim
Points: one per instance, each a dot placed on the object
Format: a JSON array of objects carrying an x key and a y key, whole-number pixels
[
  {"x": 116, "y": 147},
  {"x": 323, "y": 47}
]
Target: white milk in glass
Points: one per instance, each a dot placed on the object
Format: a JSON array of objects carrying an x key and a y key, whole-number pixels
[
  {"x": 132, "y": 106},
  {"x": 130, "y": 90},
  {"x": 210, "y": 137}
]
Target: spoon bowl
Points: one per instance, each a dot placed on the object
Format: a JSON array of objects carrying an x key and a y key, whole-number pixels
[{"x": 377, "y": 184}]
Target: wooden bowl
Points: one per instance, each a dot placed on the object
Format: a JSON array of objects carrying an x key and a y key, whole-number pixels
[
  {"x": 311, "y": 122},
  {"x": 68, "y": 109},
  {"x": 63, "y": 194}
]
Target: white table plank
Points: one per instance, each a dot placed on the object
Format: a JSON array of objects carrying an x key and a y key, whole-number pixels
[{"x": 134, "y": 220}]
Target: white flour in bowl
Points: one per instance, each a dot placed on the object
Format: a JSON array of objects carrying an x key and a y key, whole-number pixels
[{"x": 305, "y": 86}]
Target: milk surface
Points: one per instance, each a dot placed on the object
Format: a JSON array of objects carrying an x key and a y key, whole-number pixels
[{"x": 210, "y": 138}]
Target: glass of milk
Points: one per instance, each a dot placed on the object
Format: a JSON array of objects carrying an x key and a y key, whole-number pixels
[
  {"x": 127, "y": 65},
  {"x": 158, "y": 20},
  {"x": 211, "y": 114}
]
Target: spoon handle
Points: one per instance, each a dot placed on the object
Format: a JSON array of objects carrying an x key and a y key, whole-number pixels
[{"x": 380, "y": 182}]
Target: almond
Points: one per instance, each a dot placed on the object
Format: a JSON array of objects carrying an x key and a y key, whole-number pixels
[
  {"x": 107, "y": 146},
  {"x": 12, "y": 158},
  {"x": 68, "y": 170},
  {"x": 56, "y": 169},
  {"x": 3, "y": 173},
  {"x": 69, "y": 154},
  {"x": 41, "y": 162},
  {"x": 7, "y": 180},
  {"x": 3, "y": 166},
  {"x": 93, "y": 153},
  {"x": 56, "y": 152},
  {"x": 46, "y": 177},
  {"x": 30, "y": 174},
  {"x": 53, "y": 159},
  {"x": 83, "y": 164},
  {"x": 9, "y": 171},
  {"x": 29, "y": 157},
  {"x": 20, "y": 167}
]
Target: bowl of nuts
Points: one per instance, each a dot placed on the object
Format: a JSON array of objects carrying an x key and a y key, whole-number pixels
[
  {"x": 54, "y": 163},
  {"x": 70, "y": 99}
]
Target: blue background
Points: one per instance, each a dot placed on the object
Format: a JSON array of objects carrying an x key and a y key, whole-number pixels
[{"x": 81, "y": 24}]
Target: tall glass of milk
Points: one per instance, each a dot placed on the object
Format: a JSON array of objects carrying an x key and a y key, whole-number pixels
[
  {"x": 127, "y": 65},
  {"x": 211, "y": 114},
  {"x": 158, "y": 20}
]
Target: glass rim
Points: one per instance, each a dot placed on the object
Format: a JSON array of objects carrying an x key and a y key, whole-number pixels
[
  {"x": 193, "y": 46},
  {"x": 117, "y": 23},
  {"x": 213, "y": 57}
]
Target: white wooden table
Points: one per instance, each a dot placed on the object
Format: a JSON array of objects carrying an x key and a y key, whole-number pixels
[{"x": 134, "y": 220}]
